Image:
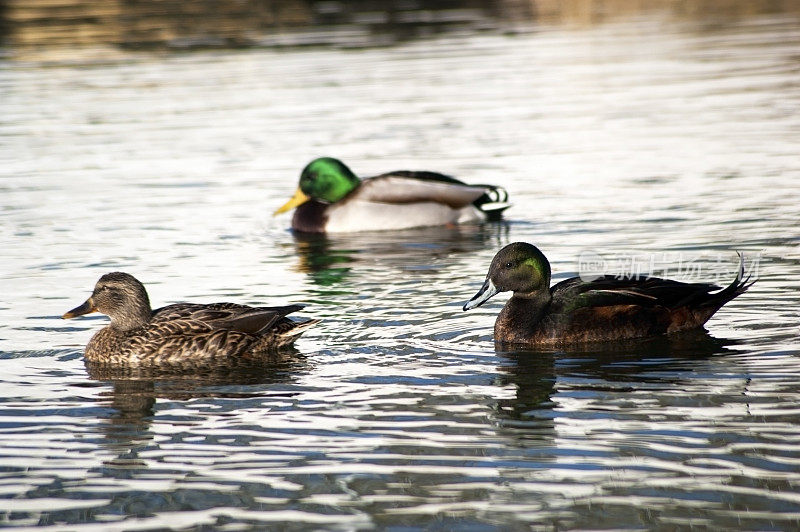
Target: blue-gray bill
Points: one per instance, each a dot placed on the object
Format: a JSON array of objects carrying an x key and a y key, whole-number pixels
[{"x": 487, "y": 291}]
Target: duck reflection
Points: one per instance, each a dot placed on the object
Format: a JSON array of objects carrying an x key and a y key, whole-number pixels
[
  {"x": 540, "y": 374},
  {"x": 527, "y": 418},
  {"x": 662, "y": 358},
  {"x": 534, "y": 376},
  {"x": 329, "y": 258},
  {"x": 135, "y": 391}
]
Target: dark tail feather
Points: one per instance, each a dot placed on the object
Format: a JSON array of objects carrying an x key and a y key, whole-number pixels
[
  {"x": 493, "y": 202},
  {"x": 274, "y": 314},
  {"x": 738, "y": 287}
]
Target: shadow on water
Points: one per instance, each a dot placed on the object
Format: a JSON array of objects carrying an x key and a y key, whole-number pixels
[
  {"x": 135, "y": 390},
  {"x": 536, "y": 374},
  {"x": 329, "y": 259}
]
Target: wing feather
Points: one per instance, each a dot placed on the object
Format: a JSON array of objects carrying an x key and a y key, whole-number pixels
[
  {"x": 645, "y": 291},
  {"x": 221, "y": 316},
  {"x": 402, "y": 190}
]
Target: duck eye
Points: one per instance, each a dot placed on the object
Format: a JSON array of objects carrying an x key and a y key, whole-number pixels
[{"x": 509, "y": 264}]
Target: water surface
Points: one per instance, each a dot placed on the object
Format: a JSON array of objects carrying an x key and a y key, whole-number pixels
[{"x": 669, "y": 145}]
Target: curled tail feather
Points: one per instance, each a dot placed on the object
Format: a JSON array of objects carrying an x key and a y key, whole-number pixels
[
  {"x": 715, "y": 301},
  {"x": 493, "y": 202},
  {"x": 738, "y": 287}
]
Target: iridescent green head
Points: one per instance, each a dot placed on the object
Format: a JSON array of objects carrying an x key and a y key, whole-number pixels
[
  {"x": 326, "y": 179},
  {"x": 520, "y": 268}
]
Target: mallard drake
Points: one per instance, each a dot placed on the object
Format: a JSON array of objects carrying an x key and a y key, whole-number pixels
[
  {"x": 603, "y": 309},
  {"x": 330, "y": 198},
  {"x": 139, "y": 335}
]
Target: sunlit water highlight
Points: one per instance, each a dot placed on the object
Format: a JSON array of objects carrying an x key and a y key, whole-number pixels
[{"x": 640, "y": 139}]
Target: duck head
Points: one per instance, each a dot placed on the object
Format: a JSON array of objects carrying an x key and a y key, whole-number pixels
[
  {"x": 121, "y": 297},
  {"x": 326, "y": 180},
  {"x": 520, "y": 268}
]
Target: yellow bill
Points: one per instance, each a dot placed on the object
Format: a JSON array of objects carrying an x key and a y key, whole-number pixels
[{"x": 298, "y": 199}]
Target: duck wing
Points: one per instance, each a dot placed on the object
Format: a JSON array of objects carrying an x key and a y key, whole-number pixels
[
  {"x": 197, "y": 333},
  {"x": 227, "y": 316},
  {"x": 187, "y": 310},
  {"x": 572, "y": 294},
  {"x": 418, "y": 187},
  {"x": 610, "y": 307}
]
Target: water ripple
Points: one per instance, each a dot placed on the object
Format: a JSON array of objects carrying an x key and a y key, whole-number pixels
[{"x": 640, "y": 139}]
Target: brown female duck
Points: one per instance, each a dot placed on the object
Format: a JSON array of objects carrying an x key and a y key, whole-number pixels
[
  {"x": 184, "y": 331},
  {"x": 604, "y": 309}
]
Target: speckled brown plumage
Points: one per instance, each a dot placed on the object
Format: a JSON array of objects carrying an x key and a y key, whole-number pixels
[
  {"x": 171, "y": 334},
  {"x": 604, "y": 309}
]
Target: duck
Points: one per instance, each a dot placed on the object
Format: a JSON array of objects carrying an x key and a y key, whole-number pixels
[
  {"x": 603, "y": 309},
  {"x": 138, "y": 335},
  {"x": 330, "y": 199}
]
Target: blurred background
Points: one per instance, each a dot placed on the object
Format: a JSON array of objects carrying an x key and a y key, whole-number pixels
[{"x": 28, "y": 25}]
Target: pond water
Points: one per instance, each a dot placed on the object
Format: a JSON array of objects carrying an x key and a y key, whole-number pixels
[{"x": 644, "y": 144}]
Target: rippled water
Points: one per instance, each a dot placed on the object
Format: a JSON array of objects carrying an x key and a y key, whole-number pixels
[{"x": 639, "y": 143}]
